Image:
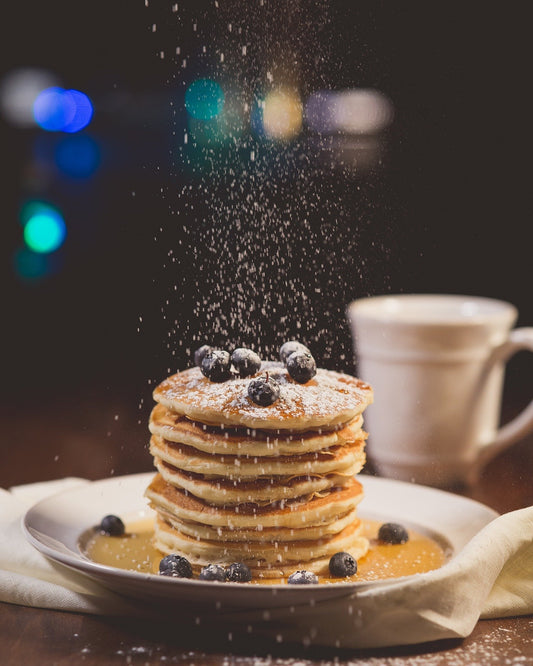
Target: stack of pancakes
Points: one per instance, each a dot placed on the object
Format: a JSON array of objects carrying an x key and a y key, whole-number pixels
[{"x": 273, "y": 487}]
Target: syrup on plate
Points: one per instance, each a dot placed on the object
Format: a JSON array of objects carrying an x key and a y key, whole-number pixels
[{"x": 134, "y": 551}]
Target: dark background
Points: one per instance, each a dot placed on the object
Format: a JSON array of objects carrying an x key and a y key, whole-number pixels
[{"x": 445, "y": 209}]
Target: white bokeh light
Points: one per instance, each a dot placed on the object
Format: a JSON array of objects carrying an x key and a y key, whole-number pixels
[
  {"x": 354, "y": 111},
  {"x": 18, "y": 90}
]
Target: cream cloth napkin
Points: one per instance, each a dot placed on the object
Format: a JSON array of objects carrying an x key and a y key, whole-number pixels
[
  {"x": 492, "y": 577},
  {"x": 28, "y": 578}
]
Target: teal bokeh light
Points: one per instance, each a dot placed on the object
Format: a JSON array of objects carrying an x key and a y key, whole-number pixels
[
  {"x": 31, "y": 266},
  {"x": 204, "y": 99},
  {"x": 44, "y": 230}
]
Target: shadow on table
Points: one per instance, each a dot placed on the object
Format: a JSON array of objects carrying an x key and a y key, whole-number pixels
[{"x": 215, "y": 641}]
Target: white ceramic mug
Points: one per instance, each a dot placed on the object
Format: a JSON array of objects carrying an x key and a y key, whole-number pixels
[{"x": 436, "y": 364}]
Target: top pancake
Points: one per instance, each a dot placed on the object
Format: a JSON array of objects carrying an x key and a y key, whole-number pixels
[{"x": 329, "y": 399}]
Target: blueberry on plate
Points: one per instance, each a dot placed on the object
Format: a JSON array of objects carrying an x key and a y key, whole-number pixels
[
  {"x": 342, "y": 565},
  {"x": 200, "y": 353},
  {"x": 245, "y": 361},
  {"x": 264, "y": 391},
  {"x": 393, "y": 533},
  {"x": 238, "y": 572},
  {"x": 216, "y": 365},
  {"x": 302, "y": 578},
  {"x": 112, "y": 526},
  {"x": 213, "y": 572},
  {"x": 301, "y": 366},
  {"x": 289, "y": 348},
  {"x": 175, "y": 566}
]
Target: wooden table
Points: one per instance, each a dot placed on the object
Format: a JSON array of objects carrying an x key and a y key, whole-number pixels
[{"x": 100, "y": 433}]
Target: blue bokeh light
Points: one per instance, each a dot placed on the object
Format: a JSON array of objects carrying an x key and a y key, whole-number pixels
[
  {"x": 77, "y": 156},
  {"x": 204, "y": 99},
  {"x": 83, "y": 112},
  {"x": 256, "y": 119},
  {"x": 53, "y": 109},
  {"x": 58, "y": 110}
]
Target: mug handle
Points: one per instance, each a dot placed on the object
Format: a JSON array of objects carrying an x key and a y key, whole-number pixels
[{"x": 522, "y": 424}]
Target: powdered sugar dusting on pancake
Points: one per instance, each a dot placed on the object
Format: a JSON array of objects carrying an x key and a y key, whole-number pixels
[{"x": 329, "y": 398}]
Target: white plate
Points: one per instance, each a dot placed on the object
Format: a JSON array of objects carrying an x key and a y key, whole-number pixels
[{"x": 54, "y": 527}]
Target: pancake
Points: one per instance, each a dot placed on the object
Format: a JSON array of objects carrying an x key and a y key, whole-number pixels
[
  {"x": 266, "y": 559},
  {"x": 302, "y": 512},
  {"x": 227, "y": 492},
  {"x": 250, "y": 442},
  {"x": 259, "y": 533},
  {"x": 329, "y": 399},
  {"x": 338, "y": 459}
]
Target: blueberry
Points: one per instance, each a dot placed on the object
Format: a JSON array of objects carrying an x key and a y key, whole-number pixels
[
  {"x": 112, "y": 526},
  {"x": 175, "y": 566},
  {"x": 263, "y": 391},
  {"x": 238, "y": 572},
  {"x": 302, "y": 578},
  {"x": 289, "y": 348},
  {"x": 342, "y": 565},
  {"x": 393, "y": 533},
  {"x": 213, "y": 572},
  {"x": 200, "y": 353},
  {"x": 216, "y": 365},
  {"x": 301, "y": 366},
  {"x": 245, "y": 361}
]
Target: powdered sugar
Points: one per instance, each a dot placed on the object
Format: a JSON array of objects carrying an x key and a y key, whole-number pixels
[{"x": 329, "y": 398}]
